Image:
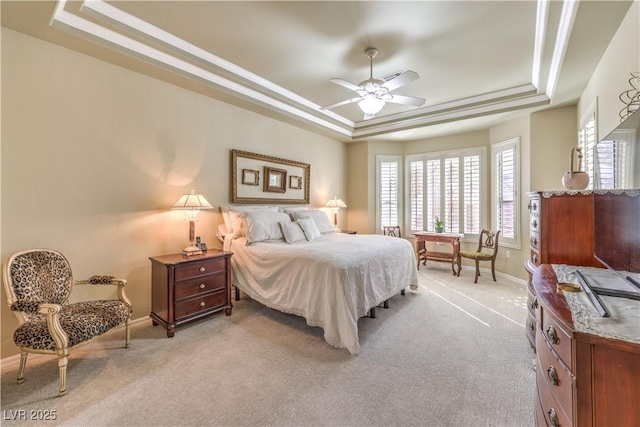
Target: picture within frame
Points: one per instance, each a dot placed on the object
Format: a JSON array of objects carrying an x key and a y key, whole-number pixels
[
  {"x": 276, "y": 186},
  {"x": 250, "y": 177},
  {"x": 275, "y": 180}
]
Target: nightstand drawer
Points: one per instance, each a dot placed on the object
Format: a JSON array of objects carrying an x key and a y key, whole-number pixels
[
  {"x": 197, "y": 305},
  {"x": 556, "y": 338},
  {"x": 200, "y": 285},
  {"x": 199, "y": 268}
]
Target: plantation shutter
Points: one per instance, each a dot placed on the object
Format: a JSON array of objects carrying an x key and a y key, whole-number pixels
[{"x": 416, "y": 191}]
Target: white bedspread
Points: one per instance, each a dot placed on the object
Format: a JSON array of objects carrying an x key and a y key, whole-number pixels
[{"x": 331, "y": 281}]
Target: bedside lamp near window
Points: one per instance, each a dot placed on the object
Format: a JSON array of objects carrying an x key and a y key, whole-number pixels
[
  {"x": 335, "y": 204},
  {"x": 191, "y": 204}
]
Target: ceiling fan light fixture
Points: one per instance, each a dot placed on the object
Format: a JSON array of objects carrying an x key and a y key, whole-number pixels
[{"x": 371, "y": 105}]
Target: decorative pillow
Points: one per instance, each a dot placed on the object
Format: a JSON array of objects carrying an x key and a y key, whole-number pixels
[
  {"x": 310, "y": 229},
  {"x": 235, "y": 216},
  {"x": 292, "y": 232},
  {"x": 319, "y": 217},
  {"x": 264, "y": 226}
]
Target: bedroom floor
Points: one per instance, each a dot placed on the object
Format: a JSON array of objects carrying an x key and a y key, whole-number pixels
[{"x": 452, "y": 353}]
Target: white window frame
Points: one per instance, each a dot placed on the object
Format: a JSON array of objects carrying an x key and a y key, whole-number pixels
[
  {"x": 461, "y": 153},
  {"x": 588, "y": 145},
  {"x": 513, "y": 143},
  {"x": 380, "y": 158}
]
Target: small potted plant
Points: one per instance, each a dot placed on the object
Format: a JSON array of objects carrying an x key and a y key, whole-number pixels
[{"x": 439, "y": 225}]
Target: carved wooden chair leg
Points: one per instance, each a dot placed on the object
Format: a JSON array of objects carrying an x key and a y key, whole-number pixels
[
  {"x": 127, "y": 338},
  {"x": 493, "y": 269},
  {"x": 477, "y": 271},
  {"x": 62, "y": 366},
  {"x": 23, "y": 364}
]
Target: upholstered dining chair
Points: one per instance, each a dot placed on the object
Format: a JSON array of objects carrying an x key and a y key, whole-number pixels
[
  {"x": 487, "y": 251},
  {"x": 38, "y": 283}
]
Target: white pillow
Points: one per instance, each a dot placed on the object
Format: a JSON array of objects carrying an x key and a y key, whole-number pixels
[
  {"x": 264, "y": 226},
  {"x": 292, "y": 232},
  {"x": 310, "y": 229},
  {"x": 235, "y": 216},
  {"x": 319, "y": 217}
]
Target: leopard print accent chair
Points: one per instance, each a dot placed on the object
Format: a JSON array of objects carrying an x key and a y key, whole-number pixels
[{"x": 38, "y": 283}]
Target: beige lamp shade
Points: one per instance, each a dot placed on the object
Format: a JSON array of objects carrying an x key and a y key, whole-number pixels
[
  {"x": 335, "y": 203},
  {"x": 192, "y": 203}
]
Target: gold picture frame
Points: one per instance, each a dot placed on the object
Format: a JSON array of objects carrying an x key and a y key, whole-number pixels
[
  {"x": 275, "y": 180},
  {"x": 295, "y": 182},
  {"x": 278, "y": 191},
  {"x": 250, "y": 177}
]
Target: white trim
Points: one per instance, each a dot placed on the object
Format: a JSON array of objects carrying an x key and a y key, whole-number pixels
[
  {"x": 542, "y": 15},
  {"x": 569, "y": 12}
]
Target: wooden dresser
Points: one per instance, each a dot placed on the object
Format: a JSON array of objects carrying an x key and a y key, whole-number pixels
[
  {"x": 186, "y": 288},
  {"x": 582, "y": 379},
  {"x": 561, "y": 232}
]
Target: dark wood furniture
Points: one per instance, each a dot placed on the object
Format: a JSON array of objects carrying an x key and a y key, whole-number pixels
[
  {"x": 582, "y": 379},
  {"x": 487, "y": 251},
  {"x": 391, "y": 230},
  {"x": 423, "y": 254},
  {"x": 561, "y": 232},
  {"x": 186, "y": 288}
]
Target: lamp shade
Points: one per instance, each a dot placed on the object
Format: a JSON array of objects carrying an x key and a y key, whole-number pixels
[
  {"x": 192, "y": 201},
  {"x": 335, "y": 203},
  {"x": 371, "y": 104}
]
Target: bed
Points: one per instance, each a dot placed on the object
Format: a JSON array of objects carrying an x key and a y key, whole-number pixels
[{"x": 329, "y": 278}]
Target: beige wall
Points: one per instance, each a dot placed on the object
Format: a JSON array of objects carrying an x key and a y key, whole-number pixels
[
  {"x": 93, "y": 157},
  {"x": 611, "y": 77}
]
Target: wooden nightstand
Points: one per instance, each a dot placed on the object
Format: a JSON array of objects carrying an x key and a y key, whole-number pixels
[{"x": 186, "y": 288}]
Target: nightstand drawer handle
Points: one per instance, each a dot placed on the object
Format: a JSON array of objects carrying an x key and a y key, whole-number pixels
[
  {"x": 202, "y": 285},
  {"x": 202, "y": 269},
  {"x": 552, "y": 335},
  {"x": 553, "y": 376},
  {"x": 202, "y": 304}
]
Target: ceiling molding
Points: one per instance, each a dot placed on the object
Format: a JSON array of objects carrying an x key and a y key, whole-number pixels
[{"x": 105, "y": 24}]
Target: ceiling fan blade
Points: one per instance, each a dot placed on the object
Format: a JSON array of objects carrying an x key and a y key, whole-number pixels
[
  {"x": 401, "y": 80},
  {"x": 341, "y": 103},
  {"x": 346, "y": 84},
  {"x": 407, "y": 100}
]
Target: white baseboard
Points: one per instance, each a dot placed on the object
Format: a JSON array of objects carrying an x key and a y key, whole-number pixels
[{"x": 14, "y": 361}]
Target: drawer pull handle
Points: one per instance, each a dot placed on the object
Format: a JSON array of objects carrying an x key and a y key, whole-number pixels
[
  {"x": 553, "y": 376},
  {"x": 552, "y": 335},
  {"x": 532, "y": 325},
  {"x": 202, "y": 304},
  {"x": 202, "y": 269},
  {"x": 553, "y": 417},
  {"x": 535, "y": 224},
  {"x": 534, "y": 304},
  {"x": 201, "y": 285}
]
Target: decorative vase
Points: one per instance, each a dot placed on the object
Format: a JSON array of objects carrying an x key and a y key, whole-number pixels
[{"x": 575, "y": 179}]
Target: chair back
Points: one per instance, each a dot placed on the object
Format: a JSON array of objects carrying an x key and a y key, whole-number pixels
[
  {"x": 488, "y": 243},
  {"x": 39, "y": 275},
  {"x": 392, "y": 230}
]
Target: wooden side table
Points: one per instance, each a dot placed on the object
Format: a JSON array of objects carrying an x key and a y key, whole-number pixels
[
  {"x": 186, "y": 288},
  {"x": 423, "y": 254}
]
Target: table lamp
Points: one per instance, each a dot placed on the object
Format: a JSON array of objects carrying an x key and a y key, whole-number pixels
[
  {"x": 192, "y": 203},
  {"x": 335, "y": 204}
]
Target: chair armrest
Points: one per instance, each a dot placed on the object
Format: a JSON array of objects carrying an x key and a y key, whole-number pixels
[
  {"x": 52, "y": 311},
  {"x": 25, "y": 306},
  {"x": 107, "y": 280}
]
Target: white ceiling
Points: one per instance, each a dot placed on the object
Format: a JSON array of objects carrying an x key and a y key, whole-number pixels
[{"x": 480, "y": 62}]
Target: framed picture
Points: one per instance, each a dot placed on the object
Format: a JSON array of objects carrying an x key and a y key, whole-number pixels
[
  {"x": 295, "y": 182},
  {"x": 275, "y": 180},
  {"x": 250, "y": 176},
  {"x": 284, "y": 181}
]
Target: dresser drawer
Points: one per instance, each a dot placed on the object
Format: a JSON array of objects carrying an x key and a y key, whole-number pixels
[
  {"x": 554, "y": 335},
  {"x": 200, "y": 285},
  {"x": 535, "y": 258},
  {"x": 199, "y": 268},
  {"x": 555, "y": 374},
  {"x": 534, "y": 240},
  {"x": 553, "y": 413},
  {"x": 200, "y": 304}
]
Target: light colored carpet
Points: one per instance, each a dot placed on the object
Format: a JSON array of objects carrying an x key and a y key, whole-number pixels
[{"x": 452, "y": 353}]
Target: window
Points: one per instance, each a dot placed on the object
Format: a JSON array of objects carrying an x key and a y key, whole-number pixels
[
  {"x": 389, "y": 190},
  {"x": 446, "y": 186},
  {"x": 587, "y": 142},
  {"x": 505, "y": 199}
]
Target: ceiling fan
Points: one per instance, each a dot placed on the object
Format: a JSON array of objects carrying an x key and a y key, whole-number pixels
[{"x": 373, "y": 94}]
